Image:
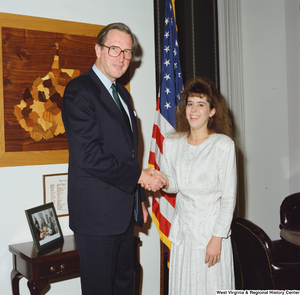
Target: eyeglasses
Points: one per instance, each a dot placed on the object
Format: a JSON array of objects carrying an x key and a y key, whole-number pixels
[{"x": 115, "y": 51}]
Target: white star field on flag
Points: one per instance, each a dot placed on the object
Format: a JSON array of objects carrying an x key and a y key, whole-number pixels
[{"x": 171, "y": 82}]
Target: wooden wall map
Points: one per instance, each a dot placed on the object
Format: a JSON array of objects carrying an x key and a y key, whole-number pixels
[
  {"x": 39, "y": 111},
  {"x": 39, "y": 57}
]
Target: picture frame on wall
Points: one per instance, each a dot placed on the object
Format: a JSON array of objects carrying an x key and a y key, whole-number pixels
[
  {"x": 44, "y": 226},
  {"x": 34, "y": 78},
  {"x": 56, "y": 191}
]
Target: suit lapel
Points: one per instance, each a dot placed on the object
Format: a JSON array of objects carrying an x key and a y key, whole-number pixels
[
  {"x": 132, "y": 115},
  {"x": 103, "y": 95}
]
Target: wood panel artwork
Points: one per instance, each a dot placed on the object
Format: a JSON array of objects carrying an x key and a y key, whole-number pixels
[{"x": 39, "y": 57}]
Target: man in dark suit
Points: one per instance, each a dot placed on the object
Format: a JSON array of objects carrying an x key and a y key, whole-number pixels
[{"x": 105, "y": 197}]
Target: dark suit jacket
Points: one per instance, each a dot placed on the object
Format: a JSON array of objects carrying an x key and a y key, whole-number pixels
[{"x": 103, "y": 169}]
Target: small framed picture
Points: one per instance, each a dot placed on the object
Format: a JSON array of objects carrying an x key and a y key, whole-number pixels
[
  {"x": 44, "y": 226},
  {"x": 56, "y": 191}
]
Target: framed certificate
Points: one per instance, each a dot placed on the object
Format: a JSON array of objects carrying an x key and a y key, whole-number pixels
[{"x": 56, "y": 191}]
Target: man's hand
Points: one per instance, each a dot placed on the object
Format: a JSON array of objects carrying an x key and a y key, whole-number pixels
[
  {"x": 145, "y": 212},
  {"x": 150, "y": 180}
]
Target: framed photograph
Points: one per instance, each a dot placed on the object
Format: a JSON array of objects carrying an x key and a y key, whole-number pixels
[
  {"x": 56, "y": 191},
  {"x": 44, "y": 226}
]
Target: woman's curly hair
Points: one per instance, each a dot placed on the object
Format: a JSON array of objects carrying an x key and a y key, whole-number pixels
[{"x": 200, "y": 87}]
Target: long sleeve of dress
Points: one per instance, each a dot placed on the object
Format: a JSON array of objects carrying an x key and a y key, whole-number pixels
[
  {"x": 166, "y": 167},
  {"x": 228, "y": 184}
]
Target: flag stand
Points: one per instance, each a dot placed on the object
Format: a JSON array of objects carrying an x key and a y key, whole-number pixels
[{"x": 162, "y": 267}]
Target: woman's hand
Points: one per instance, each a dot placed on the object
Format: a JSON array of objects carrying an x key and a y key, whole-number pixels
[
  {"x": 213, "y": 251},
  {"x": 166, "y": 186},
  {"x": 151, "y": 181}
]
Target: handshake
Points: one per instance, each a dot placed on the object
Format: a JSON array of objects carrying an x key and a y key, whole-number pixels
[{"x": 153, "y": 180}]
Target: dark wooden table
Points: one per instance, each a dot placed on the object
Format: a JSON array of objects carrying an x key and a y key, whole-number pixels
[
  {"x": 58, "y": 263},
  {"x": 291, "y": 235}
]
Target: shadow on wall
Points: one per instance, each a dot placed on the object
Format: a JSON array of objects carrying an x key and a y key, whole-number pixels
[{"x": 241, "y": 178}]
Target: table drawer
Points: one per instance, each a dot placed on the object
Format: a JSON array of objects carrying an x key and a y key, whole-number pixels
[{"x": 59, "y": 268}]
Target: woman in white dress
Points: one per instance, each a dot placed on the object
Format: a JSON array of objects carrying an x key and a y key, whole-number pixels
[{"x": 199, "y": 165}]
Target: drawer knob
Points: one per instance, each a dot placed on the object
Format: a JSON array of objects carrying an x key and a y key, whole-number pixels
[{"x": 53, "y": 269}]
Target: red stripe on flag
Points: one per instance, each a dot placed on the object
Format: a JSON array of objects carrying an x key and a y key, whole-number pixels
[
  {"x": 158, "y": 104},
  {"x": 152, "y": 161},
  {"x": 158, "y": 137},
  {"x": 171, "y": 198},
  {"x": 164, "y": 224}
]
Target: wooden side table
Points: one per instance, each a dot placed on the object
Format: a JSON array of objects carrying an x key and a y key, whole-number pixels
[
  {"x": 60, "y": 262},
  {"x": 57, "y": 263}
]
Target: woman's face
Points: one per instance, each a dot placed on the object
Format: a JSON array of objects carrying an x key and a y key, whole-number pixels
[{"x": 198, "y": 112}]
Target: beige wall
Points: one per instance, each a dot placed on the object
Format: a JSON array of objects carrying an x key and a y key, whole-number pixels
[{"x": 270, "y": 42}]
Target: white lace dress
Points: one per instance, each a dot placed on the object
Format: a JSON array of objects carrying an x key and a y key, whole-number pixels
[{"x": 204, "y": 178}]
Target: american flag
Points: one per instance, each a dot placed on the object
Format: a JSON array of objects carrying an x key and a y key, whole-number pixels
[{"x": 164, "y": 123}]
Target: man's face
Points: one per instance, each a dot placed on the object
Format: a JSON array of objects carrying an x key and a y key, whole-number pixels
[{"x": 113, "y": 67}]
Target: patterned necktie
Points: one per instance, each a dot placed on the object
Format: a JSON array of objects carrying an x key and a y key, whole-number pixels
[{"x": 119, "y": 104}]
